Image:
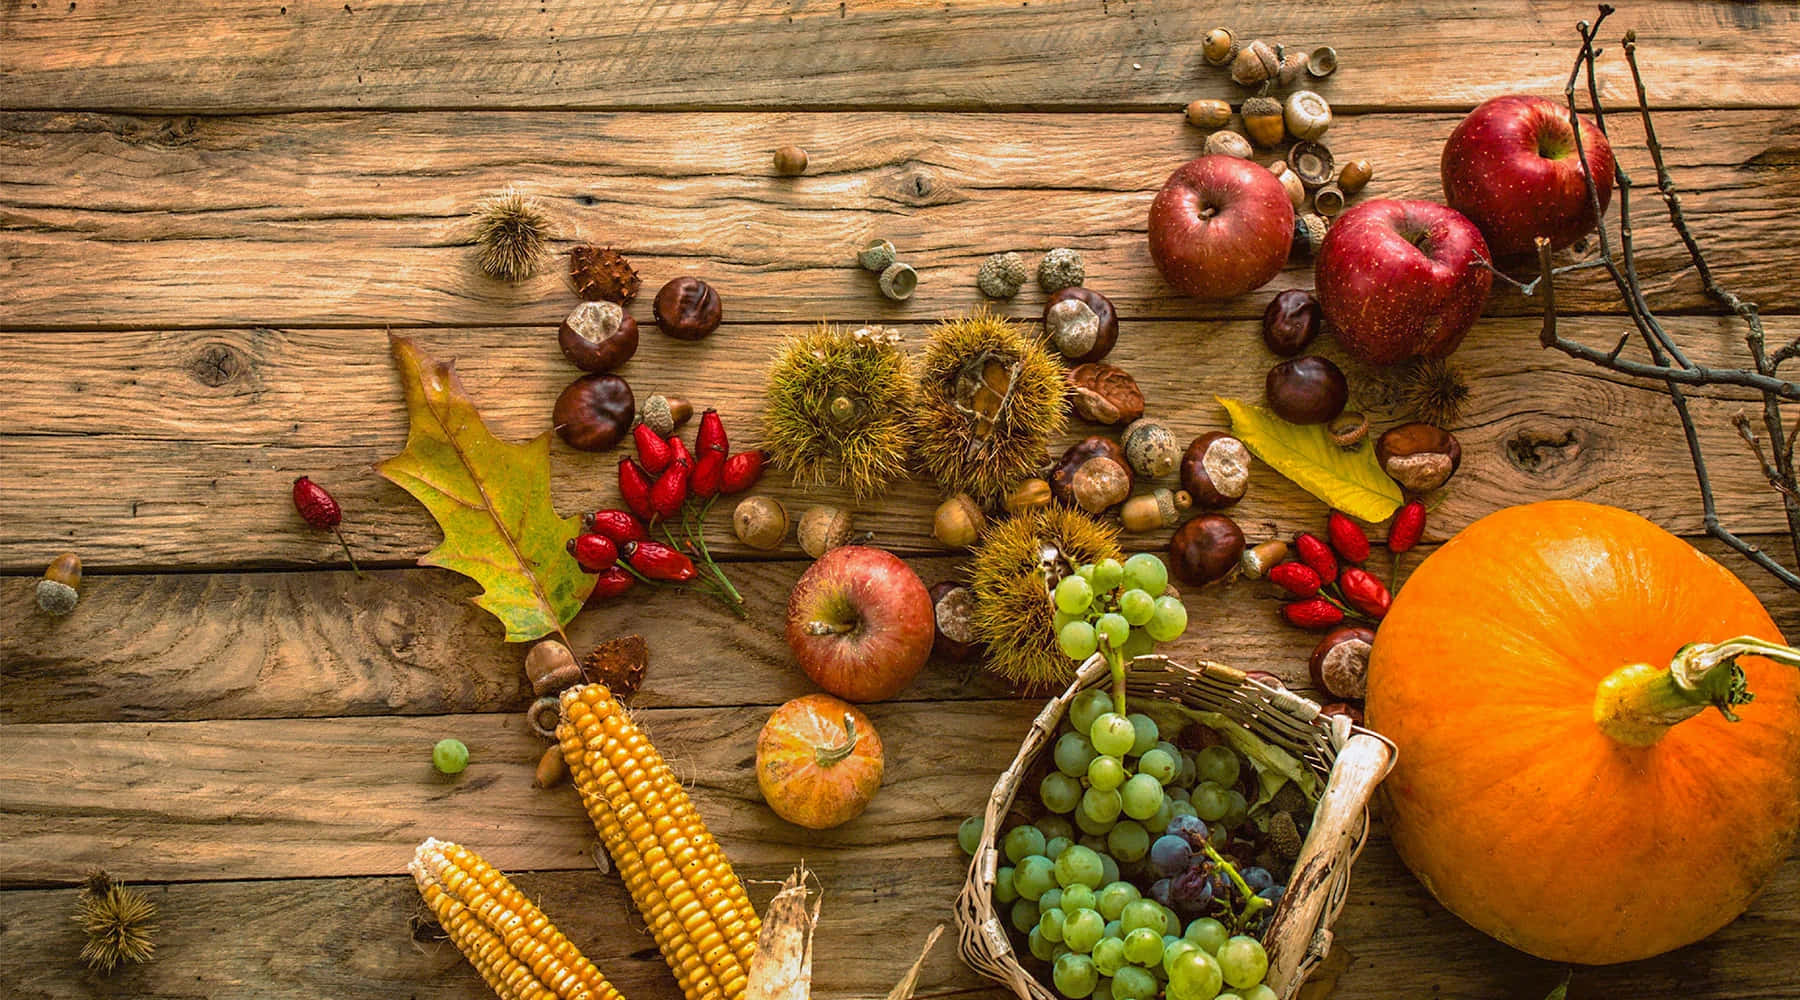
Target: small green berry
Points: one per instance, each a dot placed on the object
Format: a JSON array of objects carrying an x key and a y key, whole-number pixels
[{"x": 450, "y": 756}]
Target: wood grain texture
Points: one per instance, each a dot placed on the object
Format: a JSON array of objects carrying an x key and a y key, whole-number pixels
[
  {"x": 278, "y": 645},
  {"x": 245, "y": 56},
  {"x": 300, "y": 939},
  {"x": 364, "y": 220},
  {"x": 175, "y": 449}
]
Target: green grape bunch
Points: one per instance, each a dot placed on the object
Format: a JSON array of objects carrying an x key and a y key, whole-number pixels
[{"x": 1120, "y": 610}]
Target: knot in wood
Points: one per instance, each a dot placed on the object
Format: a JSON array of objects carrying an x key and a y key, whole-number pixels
[{"x": 218, "y": 364}]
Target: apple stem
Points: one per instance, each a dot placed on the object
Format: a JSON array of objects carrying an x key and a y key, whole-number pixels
[{"x": 829, "y": 628}]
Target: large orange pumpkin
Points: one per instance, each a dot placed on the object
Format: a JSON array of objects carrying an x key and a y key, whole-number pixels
[{"x": 1557, "y": 786}]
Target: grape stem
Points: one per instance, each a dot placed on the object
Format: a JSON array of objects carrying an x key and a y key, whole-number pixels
[
  {"x": 1252, "y": 902},
  {"x": 1115, "y": 659}
]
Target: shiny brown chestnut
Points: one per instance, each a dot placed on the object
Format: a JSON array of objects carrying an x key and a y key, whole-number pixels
[
  {"x": 1307, "y": 390},
  {"x": 595, "y": 412},
  {"x": 1340, "y": 662},
  {"x": 953, "y": 614},
  {"x": 1081, "y": 323},
  {"x": 1062, "y": 476},
  {"x": 1215, "y": 470},
  {"x": 687, "y": 309},
  {"x": 1206, "y": 548},
  {"x": 1419, "y": 456},
  {"x": 598, "y": 336},
  {"x": 1291, "y": 322}
]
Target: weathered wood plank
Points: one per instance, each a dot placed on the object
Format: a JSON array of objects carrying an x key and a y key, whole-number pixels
[
  {"x": 316, "y": 797},
  {"x": 363, "y": 220},
  {"x": 175, "y": 449},
  {"x": 278, "y": 645},
  {"x": 244, "y": 56},
  {"x": 229, "y": 940}
]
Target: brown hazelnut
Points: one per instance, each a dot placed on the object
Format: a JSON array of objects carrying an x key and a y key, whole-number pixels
[
  {"x": 1355, "y": 176},
  {"x": 1081, "y": 323},
  {"x": 953, "y": 614},
  {"x": 598, "y": 336},
  {"x": 822, "y": 529},
  {"x": 1150, "y": 448},
  {"x": 1255, "y": 63},
  {"x": 1031, "y": 494},
  {"x": 790, "y": 161},
  {"x": 551, "y": 668},
  {"x": 1340, "y": 662},
  {"x": 760, "y": 522},
  {"x": 1291, "y": 322},
  {"x": 1206, "y": 548},
  {"x": 687, "y": 309},
  {"x": 1348, "y": 429},
  {"x": 1419, "y": 456},
  {"x": 1208, "y": 113},
  {"x": 1215, "y": 469},
  {"x": 1218, "y": 46},
  {"x": 1062, "y": 475},
  {"x": 1306, "y": 390},
  {"x": 1159, "y": 508},
  {"x": 552, "y": 768},
  {"x": 958, "y": 522},
  {"x": 594, "y": 412},
  {"x": 1258, "y": 558},
  {"x": 1227, "y": 143},
  {"x": 1105, "y": 394},
  {"x": 1099, "y": 484}
]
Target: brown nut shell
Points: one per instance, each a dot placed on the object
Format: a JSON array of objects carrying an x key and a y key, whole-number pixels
[
  {"x": 1228, "y": 143},
  {"x": 1348, "y": 429},
  {"x": 1215, "y": 470},
  {"x": 1312, "y": 161},
  {"x": 1307, "y": 390},
  {"x": 1206, "y": 549},
  {"x": 1208, "y": 113},
  {"x": 790, "y": 161},
  {"x": 1420, "y": 457},
  {"x": 1062, "y": 476},
  {"x": 1150, "y": 448},
  {"x": 1307, "y": 115},
  {"x": 1218, "y": 47},
  {"x": 1255, "y": 63},
  {"x": 1081, "y": 323},
  {"x": 953, "y": 618},
  {"x": 1328, "y": 201},
  {"x": 687, "y": 309},
  {"x": 1340, "y": 662},
  {"x": 1100, "y": 484},
  {"x": 958, "y": 522},
  {"x": 1291, "y": 322},
  {"x": 598, "y": 336},
  {"x": 1105, "y": 394},
  {"x": 551, "y": 668},
  {"x": 1355, "y": 176},
  {"x": 822, "y": 529},
  {"x": 760, "y": 522},
  {"x": 1031, "y": 494},
  {"x": 594, "y": 412}
]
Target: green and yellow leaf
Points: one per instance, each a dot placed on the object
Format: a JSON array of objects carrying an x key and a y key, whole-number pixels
[
  {"x": 490, "y": 497},
  {"x": 1348, "y": 479}
]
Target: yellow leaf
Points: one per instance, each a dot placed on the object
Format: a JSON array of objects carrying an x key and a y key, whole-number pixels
[
  {"x": 492, "y": 500},
  {"x": 1348, "y": 479}
]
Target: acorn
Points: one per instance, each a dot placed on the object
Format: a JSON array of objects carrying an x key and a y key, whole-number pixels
[
  {"x": 1263, "y": 120},
  {"x": 551, "y": 668},
  {"x": 1032, "y": 494},
  {"x": 1293, "y": 64},
  {"x": 760, "y": 522},
  {"x": 1001, "y": 275},
  {"x": 790, "y": 161},
  {"x": 1228, "y": 143},
  {"x": 1355, "y": 176},
  {"x": 1150, "y": 448},
  {"x": 876, "y": 255},
  {"x": 552, "y": 768},
  {"x": 1159, "y": 508},
  {"x": 1309, "y": 233},
  {"x": 822, "y": 529},
  {"x": 59, "y": 590},
  {"x": 1254, "y": 64},
  {"x": 1329, "y": 201},
  {"x": 1208, "y": 113},
  {"x": 958, "y": 522},
  {"x": 953, "y": 611},
  {"x": 665, "y": 414},
  {"x": 898, "y": 281},
  {"x": 1306, "y": 114},
  {"x": 1257, "y": 559},
  {"x": 1218, "y": 47},
  {"x": 1290, "y": 182}
]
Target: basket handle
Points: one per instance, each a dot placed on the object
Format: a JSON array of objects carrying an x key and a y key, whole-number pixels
[{"x": 1342, "y": 815}]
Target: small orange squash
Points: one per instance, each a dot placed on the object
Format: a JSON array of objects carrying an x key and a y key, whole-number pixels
[
  {"x": 818, "y": 761},
  {"x": 1561, "y": 785}
]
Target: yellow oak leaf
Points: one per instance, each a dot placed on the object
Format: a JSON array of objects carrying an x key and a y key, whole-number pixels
[{"x": 492, "y": 500}]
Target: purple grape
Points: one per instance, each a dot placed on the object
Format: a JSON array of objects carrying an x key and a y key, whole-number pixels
[
  {"x": 1273, "y": 893},
  {"x": 1170, "y": 854},
  {"x": 1192, "y": 891},
  {"x": 1191, "y": 827},
  {"x": 1160, "y": 890},
  {"x": 1258, "y": 879}
]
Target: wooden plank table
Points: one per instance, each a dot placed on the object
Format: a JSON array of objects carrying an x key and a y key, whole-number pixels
[{"x": 212, "y": 213}]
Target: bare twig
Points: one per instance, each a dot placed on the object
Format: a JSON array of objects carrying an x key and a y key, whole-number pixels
[{"x": 1669, "y": 363}]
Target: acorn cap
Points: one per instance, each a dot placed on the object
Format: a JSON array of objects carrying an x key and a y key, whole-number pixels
[
  {"x": 899, "y": 281},
  {"x": 1312, "y": 161},
  {"x": 55, "y": 597},
  {"x": 1002, "y": 275},
  {"x": 1322, "y": 62},
  {"x": 876, "y": 255}
]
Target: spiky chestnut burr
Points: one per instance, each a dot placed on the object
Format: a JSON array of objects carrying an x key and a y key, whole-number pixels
[
  {"x": 601, "y": 273},
  {"x": 836, "y": 408},
  {"x": 117, "y": 921},
  {"x": 512, "y": 233},
  {"x": 1018, "y": 563}
]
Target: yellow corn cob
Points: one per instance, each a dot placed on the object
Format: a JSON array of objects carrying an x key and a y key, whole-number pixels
[
  {"x": 681, "y": 881},
  {"x": 508, "y": 940}
]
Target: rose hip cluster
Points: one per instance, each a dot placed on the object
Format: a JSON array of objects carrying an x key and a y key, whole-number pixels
[
  {"x": 668, "y": 490},
  {"x": 1327, "y": 579}
]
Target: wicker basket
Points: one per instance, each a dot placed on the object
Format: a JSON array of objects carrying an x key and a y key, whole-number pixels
[{"x": 1350, "y": 761}]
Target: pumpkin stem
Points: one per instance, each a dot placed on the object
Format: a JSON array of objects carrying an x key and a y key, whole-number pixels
[
  {"x": 1637, "y": 704},
  {"x": 827, "y": 756}
]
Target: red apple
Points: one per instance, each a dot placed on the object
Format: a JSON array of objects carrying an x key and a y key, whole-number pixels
[
  {"x": 860, "y": 623},
  {"x": 1397, "y": 279},
  {"x": 1511, "y": 168},
  {"x": 1220, "y": 227}
]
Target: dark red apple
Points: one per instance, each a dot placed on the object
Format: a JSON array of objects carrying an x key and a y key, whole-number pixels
[
  {"x": 1220, "y": 227},
  {"x": 1511, "y": 168},
  {"x": 860, "y": 623},
  {"x": 1399, "y": 279}
]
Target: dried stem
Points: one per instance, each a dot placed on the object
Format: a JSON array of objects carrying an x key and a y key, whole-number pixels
[{"x": 1669, "y": 363}]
